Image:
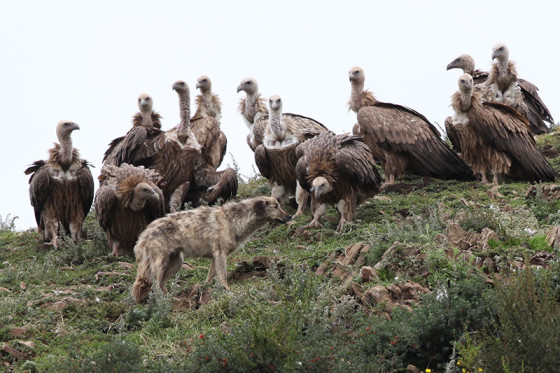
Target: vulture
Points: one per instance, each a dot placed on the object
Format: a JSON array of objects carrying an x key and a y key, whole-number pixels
[
  {"x": 207, "y": 184},
  {"x": 61, "y": 188},
  {"x": 276, "y": 157},
  {"x": 337, "y": 170},
  {"x": 208, "y": 104},
  {"x": 126, "y": 202},
  {"x": 252, "y": 108},
  {"x": 495, "y": 138},
  {"x": 532, "y": 105},
  {"x": 175, "y": 155},
  {"x": 205, "y": 124},
  {"x": 401, "y": 139}
]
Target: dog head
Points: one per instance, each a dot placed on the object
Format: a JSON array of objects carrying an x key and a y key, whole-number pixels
[{"x": 268, "y": 208}]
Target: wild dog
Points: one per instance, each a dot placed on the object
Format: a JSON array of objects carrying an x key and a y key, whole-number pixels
[{"x": 209, "y": 232}]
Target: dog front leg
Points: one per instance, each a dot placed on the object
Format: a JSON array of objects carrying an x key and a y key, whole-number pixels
[
  {"x": 211, "y": 272},
  {"x": 220, "y": 265}
]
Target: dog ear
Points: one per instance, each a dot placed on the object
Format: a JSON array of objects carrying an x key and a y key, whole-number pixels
[{"x": 260, "y": 208}]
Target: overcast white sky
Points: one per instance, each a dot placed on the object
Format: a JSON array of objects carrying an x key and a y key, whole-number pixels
[{"x": 89, "y": 61}]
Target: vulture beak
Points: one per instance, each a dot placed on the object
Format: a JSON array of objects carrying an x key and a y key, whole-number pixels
[
  {"x": 75, "y": 126},
  {"x": 451, "y": 65},
  {"x": 239, "y": 88},
  {"x": 154, "y": 196},
  {"x": 198, "y": 85},
  {"x": 316, "y": 192}
]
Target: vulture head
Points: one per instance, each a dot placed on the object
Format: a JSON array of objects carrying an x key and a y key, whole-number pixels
[
  {"x": 464, "y": 62},
  {"x": 204, "y": 84},
  {"x": 248, "y": 85},
  {"x": 141, "y": 194},
  {"x": 466, "y": 84},
  {"x": 275, "y": 103},
  {"x": 320, "y": 185},
  {"x": 64, "y": 129},
  {"x": 145, "y": 103},
  {"x": 356, "y": 75},
  {"x": 501, "y": 52},
  {"x": 180, "y": 87}
]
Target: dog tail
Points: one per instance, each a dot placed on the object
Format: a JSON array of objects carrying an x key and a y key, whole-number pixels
[{"x": 143, "y": 283}]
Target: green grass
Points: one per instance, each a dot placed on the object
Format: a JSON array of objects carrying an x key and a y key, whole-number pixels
[{"x": 287, "y": 319}]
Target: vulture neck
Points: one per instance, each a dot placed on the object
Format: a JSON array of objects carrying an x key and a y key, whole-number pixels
[
  {"x": 356, "y": 95},
  {"x": 66, "y": 149},
  {"x": 250, "y": 109},
  {"x": 276, "y": 125},
  {"x": 466, "y": 99},
  {"x": 185, "y": 109},
  {"x": 146, "y": 117},
  {"x": 503, "y": 67},
  {"x": 137, "y": 203}
]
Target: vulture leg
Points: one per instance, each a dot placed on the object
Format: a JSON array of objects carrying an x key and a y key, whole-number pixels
[
  {"x": 175, "y": 201},
  {"x": 51, "y": 232},
  {"x": 302, "y": 196},
  {"x": 343, "y": 208},
  {"x": 211, "y": 272},
  {"x": 317, "y": 214},
  {"x": 75, "y": 231},
  {"x": 279, "y": 192},
  {"x": 115, "y": 249}
]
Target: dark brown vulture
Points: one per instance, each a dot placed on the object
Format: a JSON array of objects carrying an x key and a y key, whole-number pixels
[
  {"x": 252, "y": 108},
  {"x": 127, "y": 201},
  {"x": 534, "y": 108},
  {"x": 174, "y": 155},
  {"x": 495, "y": 138},
  {"x": 205, "y": 124},
  {"x": 276, "y": 157},
  {"x": 61, "y": 188},
  {"x": 337, "y": 170},
  {"x": 403, "y": 140}
]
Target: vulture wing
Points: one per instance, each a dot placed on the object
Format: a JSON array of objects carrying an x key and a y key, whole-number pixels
[
  {"x": 505, "y": 129},
  {"x": 105, "y": 201},
  {"x": 85, "y": 181},
  {"x": 355, "y": 161},
  {"x": 39, "y": 187},
  {"x": 402, "y": 130},
  {"x": 538, "y": 113}
]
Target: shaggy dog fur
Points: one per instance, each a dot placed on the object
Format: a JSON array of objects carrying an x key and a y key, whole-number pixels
[{"x": 210, "y": 232}]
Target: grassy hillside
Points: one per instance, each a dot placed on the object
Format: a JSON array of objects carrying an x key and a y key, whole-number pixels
[{"x": 444, "y": 276}]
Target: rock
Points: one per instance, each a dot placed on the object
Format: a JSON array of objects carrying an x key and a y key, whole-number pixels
[
  {"x": 4, "y": 290},
  {"x": 22, "y": 285},
  {"x": 29, "y": 344},
  {"x": 357, "y": 290},
  {"x": 261, "y": 263},
  {"x": 12, "y": 351},
  {"x": 369, "y": 274},
  {"x": 18, "y": 332},
  {"x": 61, "y": 304},
  {"x": 100, "y": 274},
  {"x": 553, "y": 237},
  {"x": 378, "y": 295},
  {"x": 126, "y": 265},
  {"x": 542, "y": 259},
  {"x": 549, "y": 192},
  {"x": 412, "y": 369},
  {"x": 464, "y": 240}
]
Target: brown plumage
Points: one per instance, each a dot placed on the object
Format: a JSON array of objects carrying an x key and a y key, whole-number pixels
[
  {"x": 207, "y": 103},
  {"x": 495, "y": 138},
  {"x": 533, "y": 107},
  {"x": 403, "y": 140},
  {"x": 175, "y": 155},
  {"x": 61, "y": 188},
  {"x": 276, "y": 157},
  {"x": 126, "y": 202},
  {"x": 252, "y": 108},
  {"x": 337, "y": 170}
]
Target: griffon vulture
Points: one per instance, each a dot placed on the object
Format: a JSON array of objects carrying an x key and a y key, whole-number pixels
[
  {"x": 174, "y": 155},
  {"x": 204, "y": 124},
  {"x": 534, "y": 108},
  {"x": 495, "y": 138},
  {"x": 127, "y": 201},
  {"x": 337, "y": 170},
  {"x": 61, "y": 188},
  {"x": 252, "y": 108},
  {"x": 401, "y": 139},
  {"x": 207, "y": 183},
  {"x": 276, "y": 157}
]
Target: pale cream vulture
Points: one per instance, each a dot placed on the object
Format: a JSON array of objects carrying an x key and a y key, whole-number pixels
[{"x": 276, "y": 157}]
